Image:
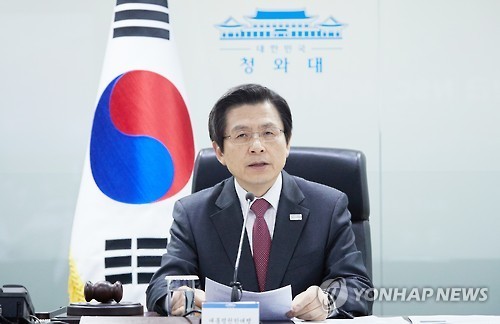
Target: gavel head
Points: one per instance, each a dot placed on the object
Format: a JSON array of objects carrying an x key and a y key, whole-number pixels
[{"x": 103, "y": 291}]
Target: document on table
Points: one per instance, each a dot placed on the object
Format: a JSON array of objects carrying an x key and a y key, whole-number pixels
[
  {"x": 370, "y": 320},
  {"x": 455, "y": 319},
  {"x": 273, "y": 304}
]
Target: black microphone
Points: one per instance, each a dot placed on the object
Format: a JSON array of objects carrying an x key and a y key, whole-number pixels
[{"x": 237, "y": 289}]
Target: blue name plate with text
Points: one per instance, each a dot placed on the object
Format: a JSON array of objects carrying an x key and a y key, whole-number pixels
[{"x": 222, "y": 312}]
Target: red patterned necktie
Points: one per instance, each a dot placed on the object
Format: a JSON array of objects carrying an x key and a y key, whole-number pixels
[{"x": 261, "y": 241}]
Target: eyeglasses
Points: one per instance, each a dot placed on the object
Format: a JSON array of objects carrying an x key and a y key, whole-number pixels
[{"x": 267, "y": 135}]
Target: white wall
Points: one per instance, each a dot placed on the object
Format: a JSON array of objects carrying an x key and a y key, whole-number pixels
[
  {"x": 414, "y": 85},
  {"x": 440, "y": 148},
  {"x": 50, "y": 61}
]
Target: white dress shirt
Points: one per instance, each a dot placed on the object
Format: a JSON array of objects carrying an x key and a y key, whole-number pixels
[{"x": 272, "y": 196}]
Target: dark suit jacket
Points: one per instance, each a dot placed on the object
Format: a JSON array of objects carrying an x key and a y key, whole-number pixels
[{"x": 206, "y": 230}]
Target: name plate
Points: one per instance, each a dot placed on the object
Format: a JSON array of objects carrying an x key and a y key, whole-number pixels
[{"x": 226, "y": 313}]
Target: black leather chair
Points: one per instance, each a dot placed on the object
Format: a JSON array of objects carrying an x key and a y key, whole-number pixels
[{"x": 342, "y": 169}]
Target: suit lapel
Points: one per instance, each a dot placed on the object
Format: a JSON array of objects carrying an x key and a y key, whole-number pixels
[
  {"x": 228, "y": 222},
  {"x": 286, "y": 232}
]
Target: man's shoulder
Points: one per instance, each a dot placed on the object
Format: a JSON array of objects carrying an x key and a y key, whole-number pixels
[{"x": 208, "y": 194}]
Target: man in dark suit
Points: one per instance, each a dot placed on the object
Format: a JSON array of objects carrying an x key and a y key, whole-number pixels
[{"x": 301, "y": 236}]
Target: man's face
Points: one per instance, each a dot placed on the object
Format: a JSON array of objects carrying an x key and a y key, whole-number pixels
[{"x": 255, "y": 164}]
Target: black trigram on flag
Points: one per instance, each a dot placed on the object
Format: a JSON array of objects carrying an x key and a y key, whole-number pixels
[
  {"x": 143, "y": 18},
  {"x": 133, "y": 261}
]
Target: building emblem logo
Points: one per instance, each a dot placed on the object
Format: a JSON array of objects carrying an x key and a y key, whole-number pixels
[{"x": 274, "y": 24}]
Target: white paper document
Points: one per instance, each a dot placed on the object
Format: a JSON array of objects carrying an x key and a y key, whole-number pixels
[
  {"x": 273, "y": 304},
  {"x": 371, "y": 320},
  {"x": 454, "y": 319}
]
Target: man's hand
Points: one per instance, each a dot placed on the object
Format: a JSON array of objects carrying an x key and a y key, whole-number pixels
[
  {"x": 199, "y": 298},
  {"x": 178, "y": 307},
  {"x": 177, "y": 301},
  {"x": 310, "y": 305}
]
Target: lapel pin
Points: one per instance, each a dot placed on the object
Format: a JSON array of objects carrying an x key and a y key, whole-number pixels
[{"x": 295, "y": 217}]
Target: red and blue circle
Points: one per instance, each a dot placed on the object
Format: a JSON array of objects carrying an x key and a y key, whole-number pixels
[{"x": 142, "y": 146}]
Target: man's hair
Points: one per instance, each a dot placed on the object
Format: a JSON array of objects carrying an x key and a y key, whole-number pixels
[{"x": 250, "y": 94}]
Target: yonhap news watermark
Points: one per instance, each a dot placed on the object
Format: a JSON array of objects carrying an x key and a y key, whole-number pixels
[
  {"x": 338, "y": 292},
  {"x": 422, "y": 294}
]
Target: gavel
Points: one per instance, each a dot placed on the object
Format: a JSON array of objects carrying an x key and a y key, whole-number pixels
[{"x": 103, "y": 291}]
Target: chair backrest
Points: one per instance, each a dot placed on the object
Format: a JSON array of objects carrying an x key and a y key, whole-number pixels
[{"x": 342, "y": 169}]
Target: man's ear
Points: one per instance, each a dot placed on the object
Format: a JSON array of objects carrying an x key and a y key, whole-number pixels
[
  {"x": 288, "y": 147},
  {"x": 218, "y": 153}
]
